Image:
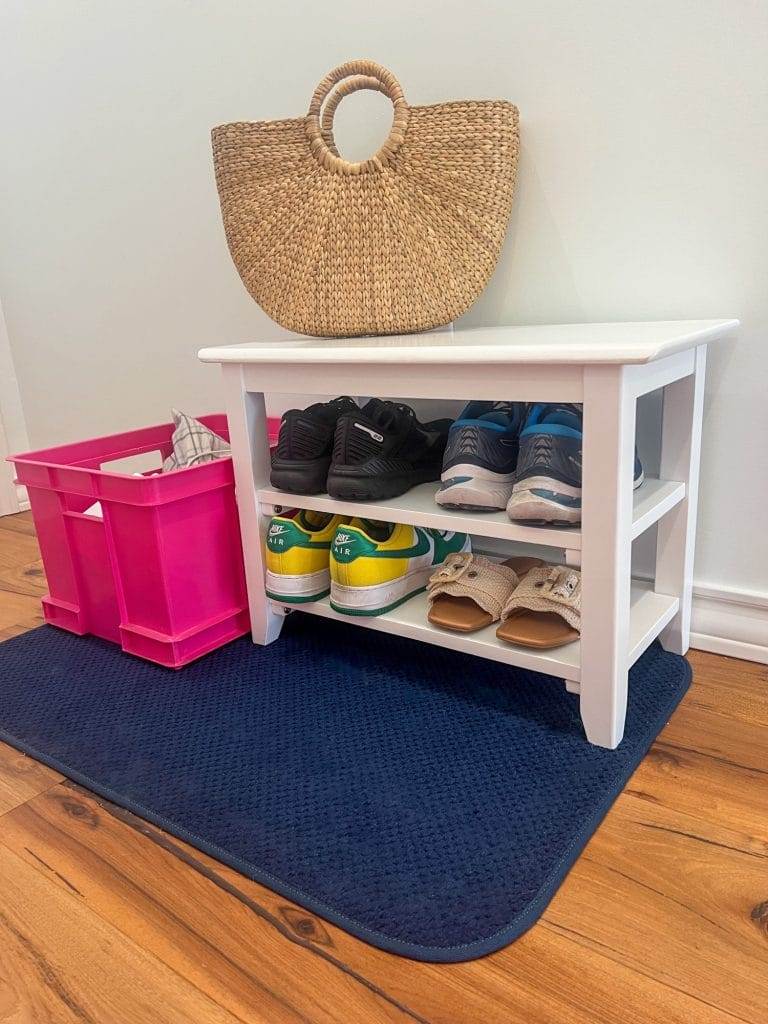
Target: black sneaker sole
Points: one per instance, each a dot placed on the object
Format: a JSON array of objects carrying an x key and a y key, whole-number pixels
[
  {"x": 352, "y": 484},
  {"x": 308, "y": 477}
]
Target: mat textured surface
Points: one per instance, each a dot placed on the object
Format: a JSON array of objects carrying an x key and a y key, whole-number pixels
[{"x": 428, "y": 802}]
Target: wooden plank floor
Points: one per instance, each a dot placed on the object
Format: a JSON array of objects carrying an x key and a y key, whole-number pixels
[{"x": 105, "y": 919}]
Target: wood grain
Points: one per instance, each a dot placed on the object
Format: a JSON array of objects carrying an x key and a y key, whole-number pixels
[
  {"x": 18, "y": 612},
  {"x": 20, "y": 523},
  {"x": 62, "y": 963},
  {"x": 22, "y": 580},
  {"x": 691, "y": 903},
  {"x": 664, "y": 918},
  {"x": 182, "y": 906},
  {"x": 154, "y": 888},
  {"x": 21, "y": 778},
  {"x": 28, "y": 579}
]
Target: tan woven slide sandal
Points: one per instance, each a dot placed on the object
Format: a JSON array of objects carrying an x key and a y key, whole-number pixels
[
  {"x": 468, "y": 592},
  {"x": 544, "y": 610}
]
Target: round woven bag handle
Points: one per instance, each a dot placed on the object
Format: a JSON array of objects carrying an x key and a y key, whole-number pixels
[
  {"x": 349, "y": 85},
  {"x": 361, "y": 73}
]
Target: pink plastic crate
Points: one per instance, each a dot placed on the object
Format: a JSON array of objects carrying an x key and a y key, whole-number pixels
[{"x": 162, "y": 572}]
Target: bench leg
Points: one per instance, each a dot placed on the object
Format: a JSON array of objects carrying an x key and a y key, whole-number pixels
[
  {"x": 606, "y": 551},
  {"x": 249, "y": 438},
  {"x": 680, "y": 446}
]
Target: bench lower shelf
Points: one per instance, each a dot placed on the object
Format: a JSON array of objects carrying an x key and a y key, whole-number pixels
[{"x": 650, "y": 613}]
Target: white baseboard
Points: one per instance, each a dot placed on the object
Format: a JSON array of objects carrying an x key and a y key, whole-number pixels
[
  {"x": 729, "y": 648},
  {"x": 22, "y": 498},
  {"x": 730, "y": 622}
]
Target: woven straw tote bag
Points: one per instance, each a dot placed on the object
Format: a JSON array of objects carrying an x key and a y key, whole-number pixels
[{"x": 404, "y": 241}]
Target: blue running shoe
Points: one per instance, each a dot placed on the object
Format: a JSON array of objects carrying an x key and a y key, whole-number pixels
[
  {"x": 481, "y": 456},
  {"x": 547, "y": 489}
]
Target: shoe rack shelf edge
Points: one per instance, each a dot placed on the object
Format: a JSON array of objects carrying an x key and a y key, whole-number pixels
[
  {"x": 419, "y": 508},
  {"x": 606, "y": 367}
]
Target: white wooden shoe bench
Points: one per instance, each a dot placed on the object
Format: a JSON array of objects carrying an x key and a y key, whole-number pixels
[{"x": 607, "y": 367}]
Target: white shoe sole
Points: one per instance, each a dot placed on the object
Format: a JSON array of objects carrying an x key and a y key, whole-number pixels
[
  {"x": 295, "y": 589},
  {"x": 380, "y": 597},
  {"x": 481, "y": 490},
  {"x": 525, "y": 506}
]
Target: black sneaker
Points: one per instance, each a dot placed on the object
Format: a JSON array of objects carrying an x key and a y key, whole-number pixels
[
  {"x": 382, "y": 450},
  {"x": 303, "y": 454}
]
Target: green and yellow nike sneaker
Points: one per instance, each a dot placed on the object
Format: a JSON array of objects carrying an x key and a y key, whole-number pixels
[
  {"x": 297, "y": 553},
  {"x": 376, "y": 566}
]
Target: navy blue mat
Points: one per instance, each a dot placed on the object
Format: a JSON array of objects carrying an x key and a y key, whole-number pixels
[{"x": 428, "y": 802}]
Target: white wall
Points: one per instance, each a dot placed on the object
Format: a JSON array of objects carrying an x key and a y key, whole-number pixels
[{"x": 642, "y": 191}]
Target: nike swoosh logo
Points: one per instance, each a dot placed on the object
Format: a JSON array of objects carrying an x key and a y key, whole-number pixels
[{"x": 421, "y": 547}]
